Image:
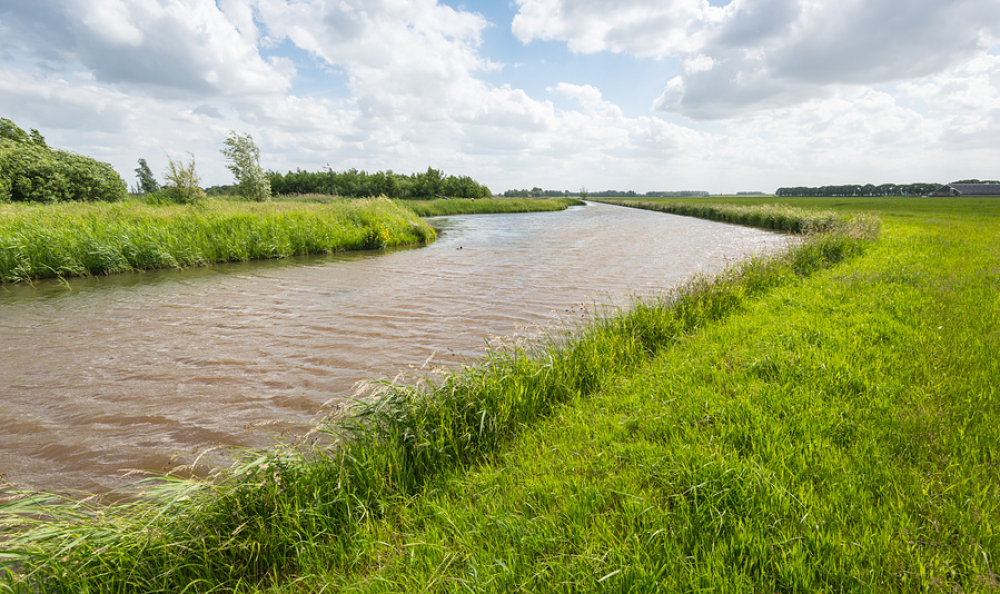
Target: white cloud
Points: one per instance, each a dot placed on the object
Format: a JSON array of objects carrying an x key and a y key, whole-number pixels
[
  {"x": 638, "y": 27},
  {"x": 175, "y": 47},
  {"x": 763, "y": 54},
  {"x": 757, "y": 94}
]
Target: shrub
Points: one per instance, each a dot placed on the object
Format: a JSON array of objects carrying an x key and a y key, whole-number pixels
[
  {"x": 182, "y": 182},
  {"x": 31, "y": 171}
]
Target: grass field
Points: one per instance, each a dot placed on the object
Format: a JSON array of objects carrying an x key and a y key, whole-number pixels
[{"x": 826, "y": 421}]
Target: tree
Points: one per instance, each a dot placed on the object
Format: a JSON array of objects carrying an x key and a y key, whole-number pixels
[
  {"x": 182, "y": 182},
  {"x": 147, "y": 183},
  {"x": 428, "y": 184},
  {"x": 31, "y": 171},
  {"x": 11, "y": 131},
  {"x": 244, "y": 161}
]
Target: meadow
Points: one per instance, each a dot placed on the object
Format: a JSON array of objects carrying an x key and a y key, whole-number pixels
[{"x": 822, "y": 420}]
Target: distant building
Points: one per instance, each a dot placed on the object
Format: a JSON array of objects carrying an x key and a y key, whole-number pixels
[{"x": 968, "y": 190}]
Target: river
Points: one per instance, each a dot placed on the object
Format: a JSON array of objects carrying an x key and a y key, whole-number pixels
[{"x": 143, "y": 371}]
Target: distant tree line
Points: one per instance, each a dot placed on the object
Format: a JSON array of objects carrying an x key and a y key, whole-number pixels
[
  {"x": 537, "y": 192},
  {"x": 866, "y": 190},
  {"x": 362, "y": 184},
  {"x": 676, "y": 194}
]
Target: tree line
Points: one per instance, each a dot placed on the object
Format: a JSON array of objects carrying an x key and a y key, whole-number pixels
[
  {"x": 361, "y": 184},
  {"x": 858, "y": 190},
  {"x": 31, "y": 171},
  {"x": 537, "y": 192}
]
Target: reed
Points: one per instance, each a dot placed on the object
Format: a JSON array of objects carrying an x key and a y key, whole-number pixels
[
  {"x": 315, "y": 515},
  {"x": 46, "y": 241},
  {"x": 777, "y": 217},
  {"x": 436, "y": 208}
]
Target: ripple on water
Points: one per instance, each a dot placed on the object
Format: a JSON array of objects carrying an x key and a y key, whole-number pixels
[{"x": 146, "y": 370}]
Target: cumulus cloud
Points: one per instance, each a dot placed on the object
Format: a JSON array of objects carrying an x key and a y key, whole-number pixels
[
  {"x": 402, "y": 57},
  {"x": 773, "y": 86},
  {"x": 175, "y": 47},
  {"x": 762, "y": 54},
  {"x": 638, "y": 27}
]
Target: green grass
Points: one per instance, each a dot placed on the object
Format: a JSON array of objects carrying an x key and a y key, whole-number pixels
[
  {"x": 566, "y": 464},
  {"x": 839, "y": 434},
  {"x": 435, "y": 208},
  {"x": 45, "y": 241},
  {"x": 459, "y": 206},
  {"x": 64, "y": 240}
]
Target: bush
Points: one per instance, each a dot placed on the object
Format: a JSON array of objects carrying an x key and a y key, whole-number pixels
[
  {"x": 30, "y": 171},
  {"x": 182, "y": 182}
]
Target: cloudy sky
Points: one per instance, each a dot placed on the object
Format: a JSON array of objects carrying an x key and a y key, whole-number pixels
[{"x": 725, "y": 96}]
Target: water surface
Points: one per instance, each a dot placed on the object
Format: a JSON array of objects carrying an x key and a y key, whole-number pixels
[{"x": 142, "y": 371}]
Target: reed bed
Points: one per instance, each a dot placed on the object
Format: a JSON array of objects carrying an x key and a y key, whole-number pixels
[
  {"x": 436, "y": 208},
  {"x": 776, "y": 217},
  {"x": 47, "y": 241},
  {"x": 312, "y": 516}
]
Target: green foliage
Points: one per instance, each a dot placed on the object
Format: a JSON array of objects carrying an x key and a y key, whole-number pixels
[
  {"x": 11, "y": 131},
  {"x": 147, "y": 182},
  {"x": 243, "y": 160},
  {"x": 153, "y": 232},
  {"x": 30, "y": 171},
  {"x": 182, "y": 185},
  {"x": 376, "y": 238},
  {"x": 430, "y": 184}
]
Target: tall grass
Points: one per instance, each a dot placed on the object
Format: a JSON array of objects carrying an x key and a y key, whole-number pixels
[
  {"x": 44, "y": 241},
  {"x": 778, "y": 217},
  {"x": 839, "y": 434},
  {"x": 435, "y": 208},
  {"x": 294, "y": 513}
]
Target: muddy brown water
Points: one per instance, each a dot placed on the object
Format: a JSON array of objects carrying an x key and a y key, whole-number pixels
[{"x": 143, "y": 371}]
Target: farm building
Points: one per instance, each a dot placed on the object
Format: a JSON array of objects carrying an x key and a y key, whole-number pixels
[{"x": 968, "y": 190}]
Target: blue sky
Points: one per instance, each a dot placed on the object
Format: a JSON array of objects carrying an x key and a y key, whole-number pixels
[{"x": 747, "y": 95}]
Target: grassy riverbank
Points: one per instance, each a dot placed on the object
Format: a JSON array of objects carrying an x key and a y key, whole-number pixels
[
  {"x": 462, "y": 206},
  {"x": 436, "y": 208},
  {"x": 824, "y": 421},
  {"x": 80, "y": 239},
  {"x": 819, "y": 421}
]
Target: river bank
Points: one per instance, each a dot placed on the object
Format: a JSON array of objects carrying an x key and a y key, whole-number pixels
[
  {"x": 155, "y": 366},
  {"x": 83, "y": 239},
  {"x": 836, "y": 432},
  {"x": 824, "y": 420}
]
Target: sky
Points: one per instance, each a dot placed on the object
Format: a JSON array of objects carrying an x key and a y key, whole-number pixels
[{"x": 647, "y": 95}]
